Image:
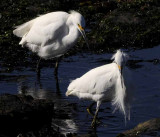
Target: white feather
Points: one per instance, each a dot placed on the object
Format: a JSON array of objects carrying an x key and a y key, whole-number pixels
[
  {"x": 23, "y": 29},
  {"x": 52, "y": 34},
  {"x": 105, "y": 83}
]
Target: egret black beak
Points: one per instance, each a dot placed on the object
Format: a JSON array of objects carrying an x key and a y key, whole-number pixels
[{"x": 83, "y": 34}]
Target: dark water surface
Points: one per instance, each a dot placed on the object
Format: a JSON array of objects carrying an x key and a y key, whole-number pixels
[{"x": 145, "y": 67}]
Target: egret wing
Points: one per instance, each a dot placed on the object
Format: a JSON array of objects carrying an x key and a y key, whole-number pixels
[
  {"x": 23, "y": 29},
  {"x": 96, "y": 81},
  {"x": 46, "y": 34},
  {"x": 42, "y": 29}
]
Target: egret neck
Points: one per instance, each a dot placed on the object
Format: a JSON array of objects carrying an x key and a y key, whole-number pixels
[
  {"x": 73, "y": 35},
  {"x": 120, "y": 69}
]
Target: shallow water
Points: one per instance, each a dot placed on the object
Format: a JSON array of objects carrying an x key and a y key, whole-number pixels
[{"x": 145, "y": 68}]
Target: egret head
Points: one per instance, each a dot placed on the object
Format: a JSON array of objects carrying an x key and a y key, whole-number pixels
[
  {"x": 79, "y": 22},
  {"x": 120, "y": 58}
]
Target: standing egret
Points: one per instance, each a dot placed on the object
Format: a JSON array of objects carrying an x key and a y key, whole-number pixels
[
  {"x": 106, "y": 83},
  {"x": 51, "y": 35}
]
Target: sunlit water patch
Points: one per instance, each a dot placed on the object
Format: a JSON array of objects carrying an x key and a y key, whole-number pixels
[{"x": 145, "y": 69}]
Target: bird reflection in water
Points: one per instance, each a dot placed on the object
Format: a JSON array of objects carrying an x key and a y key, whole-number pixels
[
  {"x": 67, "y": 111},
  {"x": 37, "y": 90}
]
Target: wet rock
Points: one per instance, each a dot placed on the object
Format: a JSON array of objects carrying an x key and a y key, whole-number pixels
[
  {"x": 19, "y": 113},
  {"x": 24, "y": 116},
  {"x": 150, "y": 128},
  {"x": 127, "y": 25}
]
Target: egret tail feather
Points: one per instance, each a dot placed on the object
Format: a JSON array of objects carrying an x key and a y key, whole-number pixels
[{"x": 21, "y": 30}]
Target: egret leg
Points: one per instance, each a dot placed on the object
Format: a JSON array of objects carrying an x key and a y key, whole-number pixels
[
  {"x": 56, "y": 74},
  {"x": 89, "y": 109},
  {"x": 96, "y": 114},
  {"x": 56, "y": 67},
  {"x": 38, "y": 69}
]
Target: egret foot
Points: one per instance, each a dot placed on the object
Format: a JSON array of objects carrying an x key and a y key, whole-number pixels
[
  {"x": 89, "y": 109},
  {"x": 89, "y": 112}
]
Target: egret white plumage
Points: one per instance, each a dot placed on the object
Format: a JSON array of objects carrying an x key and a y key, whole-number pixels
[
  {"x": 51, "y": 35},
  {"x": 107, "y": 83}
]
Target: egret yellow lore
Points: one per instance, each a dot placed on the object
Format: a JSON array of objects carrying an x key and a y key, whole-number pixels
[
  {"x": 107, "y": 83},
  {"x": 51, "y": 35}
]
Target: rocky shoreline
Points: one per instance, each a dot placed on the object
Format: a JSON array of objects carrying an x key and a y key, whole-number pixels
[{"x": 111, "y": 25}]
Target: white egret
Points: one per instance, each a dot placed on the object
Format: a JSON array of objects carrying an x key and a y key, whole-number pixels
[
  {"x": 110, "y": 83},
  {"x": 51, "y": 35}
]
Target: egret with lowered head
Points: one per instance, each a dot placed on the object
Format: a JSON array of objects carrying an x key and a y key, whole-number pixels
[
  {"x": 109, "y": 83},
  {"x": 51, "y": 35}
]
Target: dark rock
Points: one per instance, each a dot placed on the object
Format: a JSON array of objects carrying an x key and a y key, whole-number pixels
[
  {"x": 130, "y": 24},
  {"x": 19, "y": 113},
  {"x": 148, "y": 128},
  {"x": 24, "y": 116}
]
